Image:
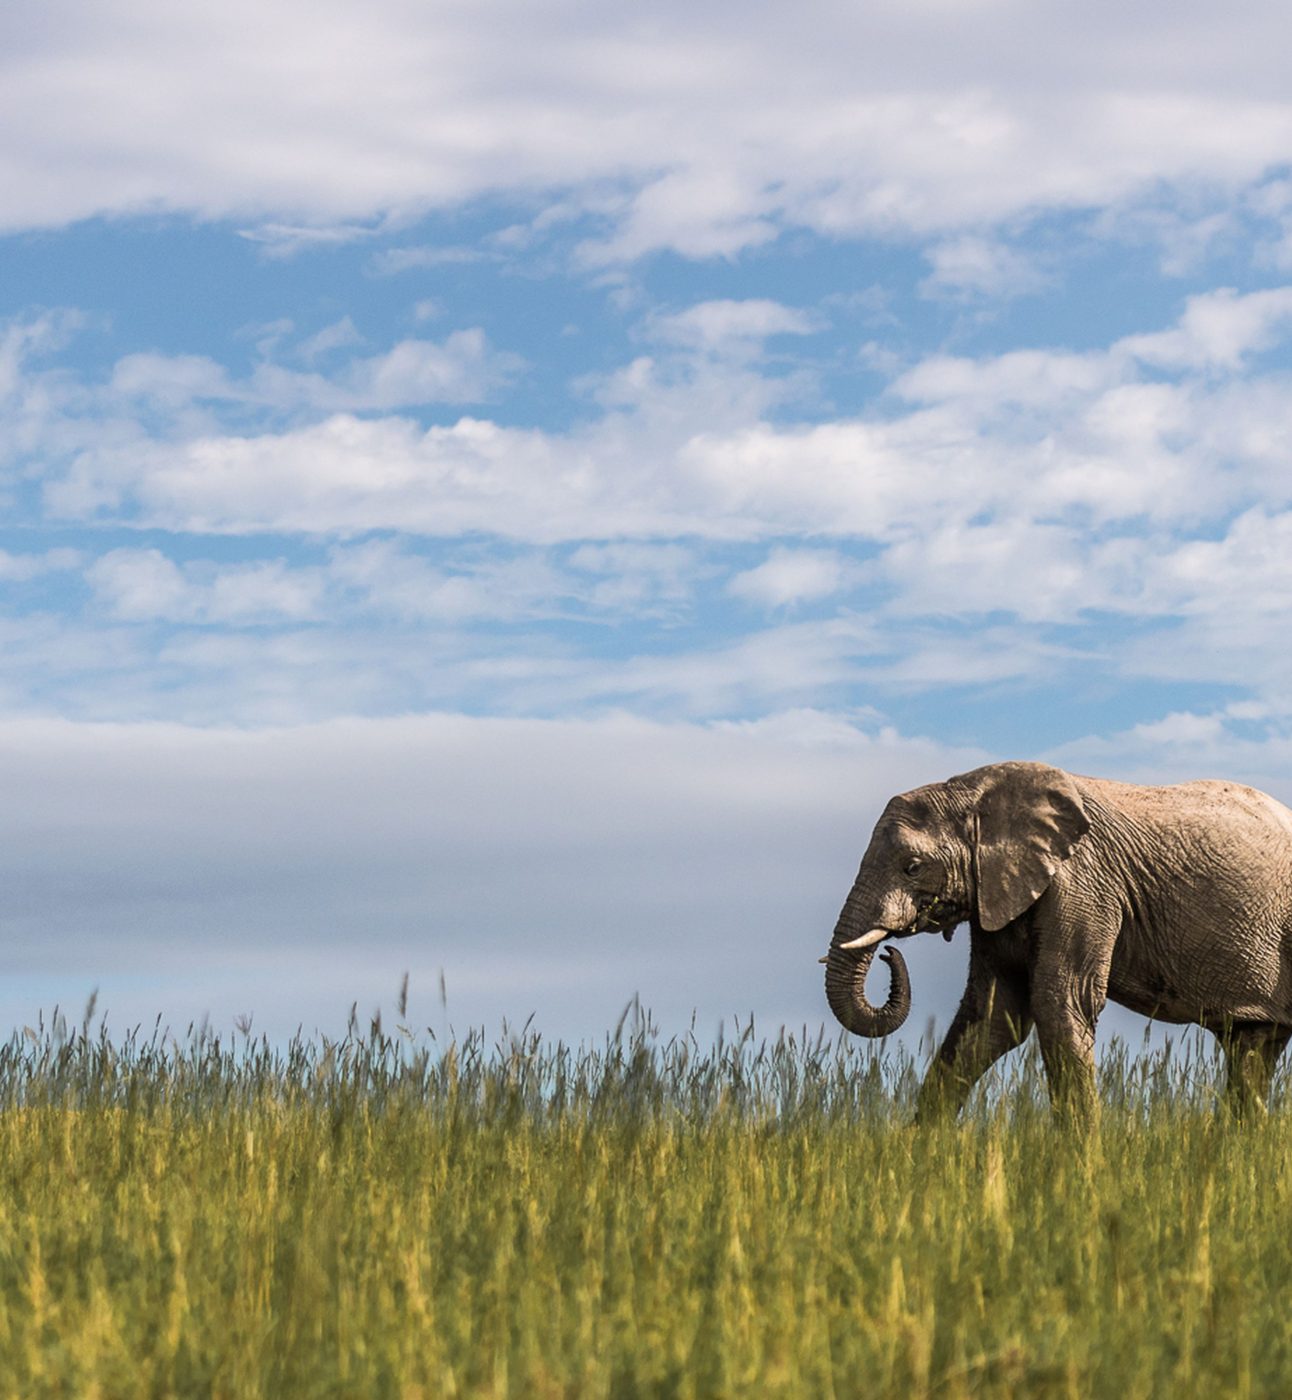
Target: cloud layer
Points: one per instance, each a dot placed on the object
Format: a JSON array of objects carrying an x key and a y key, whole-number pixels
[
  {"x": 554, "y": 867},
  {"x": 1172, "y": 426},
  {"x": 706, "y": 131}
]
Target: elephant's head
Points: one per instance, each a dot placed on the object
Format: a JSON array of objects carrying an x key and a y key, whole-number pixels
[{"x": 983, "y": 846}]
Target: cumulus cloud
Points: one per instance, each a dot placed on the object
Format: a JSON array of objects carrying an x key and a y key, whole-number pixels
[
  {"x": 1245, "y": 573},
  {"x": 24, "y": 566},
  {"x": 973, "y": 266},
  {"x": 463, "y": 368},
  {"x": 736, "y": 328},
  {"x": 789, "y": 576},
  {"x": 1218, "y": 330},
  {"x": 646, "y": 579},
  {"x": 145, "y": 585},
  {"x": 1037, "y": 571}
]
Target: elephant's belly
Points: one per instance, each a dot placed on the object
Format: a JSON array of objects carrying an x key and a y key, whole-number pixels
[
  {"x": 1162, "y": 1005},
  {"x": 1202, "y": 983}
]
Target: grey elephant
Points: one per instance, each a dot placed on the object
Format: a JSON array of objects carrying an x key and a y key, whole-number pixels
[{"x": 1173, "y": 901}]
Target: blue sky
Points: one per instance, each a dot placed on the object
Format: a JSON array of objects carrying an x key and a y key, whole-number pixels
[{"x": 512, "y": 489}]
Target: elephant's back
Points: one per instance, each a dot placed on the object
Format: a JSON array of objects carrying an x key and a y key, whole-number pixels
[
  {"x": 1211, "y": 812},
  {"x": 1218, "y": 799}
]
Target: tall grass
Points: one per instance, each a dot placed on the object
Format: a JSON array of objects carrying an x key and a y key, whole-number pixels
[{"x": 386, "y": 1216}]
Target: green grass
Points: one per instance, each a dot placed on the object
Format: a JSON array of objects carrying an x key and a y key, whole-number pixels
[{"x": 383, "y": 1217}]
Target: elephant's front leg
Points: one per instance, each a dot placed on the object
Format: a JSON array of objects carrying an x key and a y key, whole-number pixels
[{"x": 992, "y": 1019}]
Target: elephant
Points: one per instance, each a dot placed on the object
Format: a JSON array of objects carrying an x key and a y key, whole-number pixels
[{"x": 1173, "y": 901}]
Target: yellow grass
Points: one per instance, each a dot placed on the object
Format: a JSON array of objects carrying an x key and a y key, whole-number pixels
[{"x": 380, "y": 1218}]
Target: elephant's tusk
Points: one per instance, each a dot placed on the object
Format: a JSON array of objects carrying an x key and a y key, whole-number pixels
[
  {"x": 824, "y": 959},
  {"x": 866, "y": 940}
]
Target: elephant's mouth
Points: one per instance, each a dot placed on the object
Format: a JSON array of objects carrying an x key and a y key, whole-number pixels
[{"x": 936, "y": 916}]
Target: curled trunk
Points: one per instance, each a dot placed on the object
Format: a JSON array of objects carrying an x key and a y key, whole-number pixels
[{"x": 845, "y": 983}]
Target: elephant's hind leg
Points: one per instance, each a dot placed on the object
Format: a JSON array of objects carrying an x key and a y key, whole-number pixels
[{"x": 1251, "y": 1052}]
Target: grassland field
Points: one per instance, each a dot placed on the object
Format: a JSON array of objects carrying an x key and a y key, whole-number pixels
[{"x": 389, "y": 1215}]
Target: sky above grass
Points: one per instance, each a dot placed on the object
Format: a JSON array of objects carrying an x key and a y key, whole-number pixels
[{"x": 510, "y": 489}]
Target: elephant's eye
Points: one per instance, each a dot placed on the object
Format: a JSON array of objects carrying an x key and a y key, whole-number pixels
[{"x": 913, "y": 866}]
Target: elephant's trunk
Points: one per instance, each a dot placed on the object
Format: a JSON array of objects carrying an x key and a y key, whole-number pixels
[{"x": 845, "y": 981}]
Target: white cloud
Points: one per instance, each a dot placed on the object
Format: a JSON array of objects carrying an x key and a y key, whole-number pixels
[
  {"x": 141, "y": 583},
  {"x": 390, "y": 580},
  {"x": 30, "y": 338},
  {"x": 1018, "y": 378},
  {"x": 374, "y": 631},
  {"x": 731, "y": 328},
  {"x": 789, "y": 576},
  {"x": 377, "y": 579},
  {"x": 376, "y": 627},
  {"x": 973, "y": 266},
  {"x": 463, "y": 368},
  {"x": 286, "y": 240},
  {"x": 145, "y": 585},
  {"x": 337, "y": 336},
  {"x": 1218, "y": 330},
  {"x": 1036, "y": 571},
  {"x": 1272, "y": 201},
  {"x": 1186, "y": 238},
  {"x": 28, "y": 565},
  {"x": 1225, "y": 601},
  {"x": 171, "y": 380},
  {"x": 924, "y": 658},
  {"x": 706, "y": 132},
  {"x": 1246, "y": 574},
  {"x": 700, "y": 213},
  {"x": 267, "y": 591},
  {"x": 391, "y": 261},
  {"x": 638, "y": 579},
  {"x": 791, "y": 664}
]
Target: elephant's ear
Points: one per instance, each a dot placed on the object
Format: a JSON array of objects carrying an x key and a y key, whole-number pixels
[{"x": 1028, "y": 816}]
